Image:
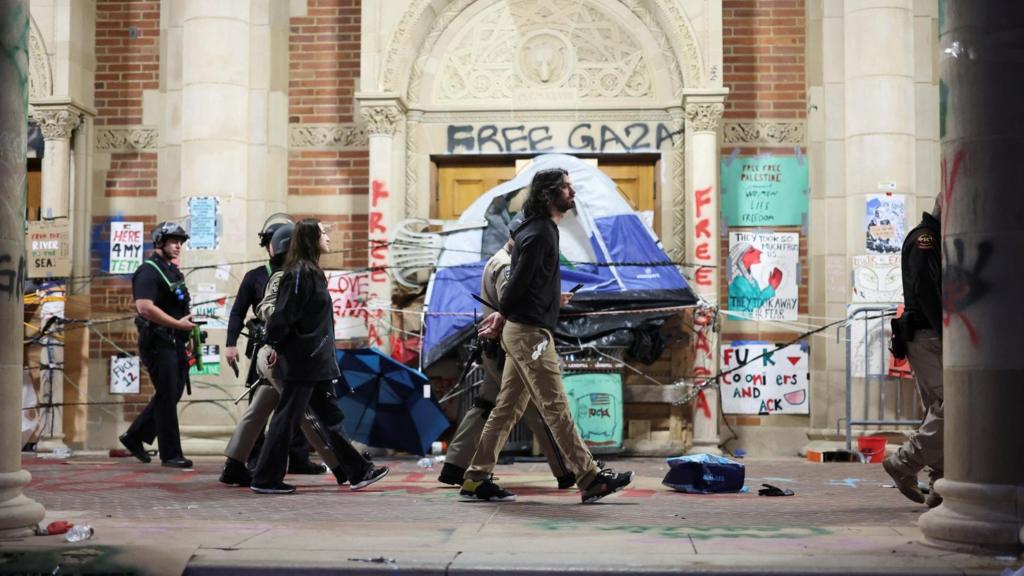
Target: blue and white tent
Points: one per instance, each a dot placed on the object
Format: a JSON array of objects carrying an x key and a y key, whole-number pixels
[{"x": 604, "y": 245}]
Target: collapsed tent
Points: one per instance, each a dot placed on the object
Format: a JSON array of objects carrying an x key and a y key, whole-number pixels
[{"x": 604, "y": 245}]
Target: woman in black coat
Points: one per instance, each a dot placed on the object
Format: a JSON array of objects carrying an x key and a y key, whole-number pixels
[{"x": 301, "y": 332}]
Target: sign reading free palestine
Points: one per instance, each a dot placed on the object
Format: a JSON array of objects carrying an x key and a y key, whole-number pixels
[{"x": 764, "y": 190}]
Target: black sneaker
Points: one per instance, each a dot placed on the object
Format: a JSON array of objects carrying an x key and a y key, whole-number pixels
[
  {"x": 452, "y": 474},
  {"x": 372, "y": 475},
  {"x": 484, "y": 491},
  {"x": 235, "y": 473},
  {"x": 307, "y": 467},
  {"x": 180, "y": 462},
  {"x": 607, "y": 482},
  {"x": 279, "y": 488},
  {"x": 135, "y": 447},
  {"x": 567, "y": 481},
  {"x": 340, "y": 476}
]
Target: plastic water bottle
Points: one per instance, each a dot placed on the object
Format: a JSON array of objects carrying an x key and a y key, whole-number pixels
[
  {"x": 425, "y": 463},
  {"x": 79, "y": 533},
  {"x": 62, "y": 452}
]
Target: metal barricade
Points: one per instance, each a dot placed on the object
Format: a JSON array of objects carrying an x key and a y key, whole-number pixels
[
  {"x": 520, "y": 440},
  {"x": 867, "y": 360}
]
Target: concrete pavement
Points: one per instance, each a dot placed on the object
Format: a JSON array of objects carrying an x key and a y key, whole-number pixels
[{"x": 843, "y": 520}]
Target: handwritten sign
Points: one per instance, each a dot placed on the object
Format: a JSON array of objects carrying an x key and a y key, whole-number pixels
[
  {"x": 211, "y": 307},
  {"x": 211, "y": 361},
  {"x": 349, "y": 292},
  {"x": 124, "y": 375},
  {"x": 202, "y": 218},
  {"x": 49, "y": 253},
  {"x": 763, "y": 282},
  {"x": 126, "y": 247},
  {"x": 764, "y": 382},
  {"x": 764, "y": 190},
  {"x": 595, "y": 400},
  {"x": 877, "y": 278}
]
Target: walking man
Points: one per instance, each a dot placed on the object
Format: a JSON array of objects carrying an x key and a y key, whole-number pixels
[
  {"x": 921, "y": 329},
  {"x": 531, "y": 304},
  {"x": 467, "y": 436},
  {"x": 164, "y": 323}
]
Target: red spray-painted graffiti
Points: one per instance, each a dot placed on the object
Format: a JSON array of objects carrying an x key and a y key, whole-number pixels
[
  {"x": 378, "y": 238},
  {"x": 703, "y": 253}
]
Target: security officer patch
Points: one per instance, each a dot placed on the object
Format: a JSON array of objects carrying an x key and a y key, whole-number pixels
[{"x": 926, "y": 242}]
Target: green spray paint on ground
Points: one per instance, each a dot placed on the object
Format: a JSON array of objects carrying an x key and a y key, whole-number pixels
[{"x": 695, "y": 532}]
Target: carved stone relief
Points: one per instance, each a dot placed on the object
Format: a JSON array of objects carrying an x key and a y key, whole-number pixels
[
  {"x": 329, "y": 136},
  {"x": 40, "y": 74},
  {"x": 764, "y": 133},
  {"x": 551, "y": 49},
  {"x": 131, "y": 138},
  {"x": 381, "y": 119},
  {"x": 56, "y": 123},
  {"x": 704, "y": 117}
]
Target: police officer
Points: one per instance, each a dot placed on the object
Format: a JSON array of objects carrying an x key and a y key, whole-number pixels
[
  {"x": 164, "y": 323},
  {"x": 250, "y": 293},
  {"x": 920, "y": 328}
]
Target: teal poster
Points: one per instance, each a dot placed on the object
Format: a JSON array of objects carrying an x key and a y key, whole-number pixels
[
  {"x": 595, "y": 400},
  {"x": 764, "y": 190}
]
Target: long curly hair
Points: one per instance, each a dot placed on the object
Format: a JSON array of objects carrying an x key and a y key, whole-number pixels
[
  {"x": 304, "y": 248},
  {"x": 545, "y": 187}
]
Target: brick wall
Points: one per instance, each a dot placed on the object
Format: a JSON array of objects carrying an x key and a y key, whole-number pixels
[
  {"x": 764, "y": 58},
  {"x": 323, "y": 52}
]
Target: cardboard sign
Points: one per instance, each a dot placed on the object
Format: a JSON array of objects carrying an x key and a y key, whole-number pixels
[
  {"x": 764, "y": 191},
  {"x": 754, "y": 258},
  {"x": 126, "y": 247},
  {"x": 763, "y": 382},
  {"x": 877, "y": 278},
  {"x": 49, "y": 252},
  {"x": 211, "y": 361},
  {"x": 595, "y": 400},
  {"x": 202, "y": 223},
  {"x": 212, "y": 307},
  {"x": 124, "y": 375},
  {"x": 349, "y": 293}
]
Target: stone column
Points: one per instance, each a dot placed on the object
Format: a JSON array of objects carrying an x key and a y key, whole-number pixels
[
  {"x": 982, "y": 144},
  {"x": 57, "y": 123},
  {"x": 703, "y": 119},
  {"x": 18, "y": 513},
  {"x": 384, "y": 115}
]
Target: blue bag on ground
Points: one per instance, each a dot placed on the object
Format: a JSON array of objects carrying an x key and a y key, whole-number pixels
[{"x": 704, "y": 474}]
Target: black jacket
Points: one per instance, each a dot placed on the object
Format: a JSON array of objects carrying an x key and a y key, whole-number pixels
[
  {"x": 533, "y": 293},
  {"x": 922, "y": 277},
  {"x": 250, "y": 292},
  {"x": 301, "y": 329}
]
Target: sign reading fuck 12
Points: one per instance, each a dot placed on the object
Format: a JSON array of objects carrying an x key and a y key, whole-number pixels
[
  {"x": 126, "y": 247},
  {"x": 757, "y": 379}
]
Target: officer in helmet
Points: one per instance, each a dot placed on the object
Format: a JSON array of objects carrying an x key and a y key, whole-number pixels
[
  {"x": 164, "y": 323},
  {"x": 250, "y": 292}
]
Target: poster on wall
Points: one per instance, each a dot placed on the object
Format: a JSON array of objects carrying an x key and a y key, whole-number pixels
[
  {"x": 210, "y": 307},
  {"x": 763, "y": 282},
  {"x": 202, "y": 223},
  {"x": 759, "y": 380},
  {"x": 211, "y": 361},
  {"x": 764, "y": 190},
  {"x": 870, "y": 331},
  {"x": 349, "y": 292},
  {"x": 126, "y": 247},
  {"x": 124, "y": 375},
  {"x": 49, "y": 253},
  {"x": 877, "y": 278},
  {"x": 595, "y": 400},
  {"x": 885, "y": 223}
]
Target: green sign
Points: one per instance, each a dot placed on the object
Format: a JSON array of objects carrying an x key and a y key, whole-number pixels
[
  {"x": 211, "y": 361},
  {"x": 764, "y": 190},
  {"x": 595, "y": 400}
]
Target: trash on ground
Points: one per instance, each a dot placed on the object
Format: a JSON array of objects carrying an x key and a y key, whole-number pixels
[
  {"x": 79, "y": 533},
  {"x": 704, "y": 474},
  {"x": 770, "y": 490},
  {"x": 55, "y": 527},
  {"x": 374, "y": 560}
]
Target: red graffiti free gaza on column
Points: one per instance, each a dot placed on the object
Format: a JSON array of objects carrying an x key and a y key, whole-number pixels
[{"x": 378, "y": 236}]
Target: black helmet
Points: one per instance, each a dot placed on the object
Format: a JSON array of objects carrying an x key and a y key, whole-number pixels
[
  {"x": 274, "y": 222},
  {"x": 281, "y": 239},
  {"x": 165, "y": 230}
]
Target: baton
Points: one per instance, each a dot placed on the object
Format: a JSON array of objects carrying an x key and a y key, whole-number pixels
[{"x": 479, "y": 299}]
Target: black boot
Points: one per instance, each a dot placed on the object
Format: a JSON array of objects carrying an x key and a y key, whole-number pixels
[{"x": 235, "y": 473}]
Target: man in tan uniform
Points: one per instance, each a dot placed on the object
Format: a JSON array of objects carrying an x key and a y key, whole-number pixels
[{"x": 466, "y": 438}]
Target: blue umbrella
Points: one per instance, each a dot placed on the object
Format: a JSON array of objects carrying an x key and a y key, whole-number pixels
[{"x": 386, "y": 407}]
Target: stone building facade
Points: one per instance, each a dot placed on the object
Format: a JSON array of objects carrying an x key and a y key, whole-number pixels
[{"x": 356, "y": 112}]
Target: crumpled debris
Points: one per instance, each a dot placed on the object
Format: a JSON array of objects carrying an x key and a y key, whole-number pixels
[{"x": 770, "y": 490}]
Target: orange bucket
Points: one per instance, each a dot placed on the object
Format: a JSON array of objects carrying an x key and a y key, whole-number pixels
[{"x": 872, "y": 448}]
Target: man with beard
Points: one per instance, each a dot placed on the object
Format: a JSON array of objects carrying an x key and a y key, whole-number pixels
[{"x": 531, "y": 303}]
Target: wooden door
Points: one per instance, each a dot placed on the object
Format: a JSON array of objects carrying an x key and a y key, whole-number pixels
[{"x": 460, "y": 186}]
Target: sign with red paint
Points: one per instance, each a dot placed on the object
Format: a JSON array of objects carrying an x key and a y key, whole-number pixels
[
  {"x": 757, "y": 379},
  {"x": 349, "y": 292}
]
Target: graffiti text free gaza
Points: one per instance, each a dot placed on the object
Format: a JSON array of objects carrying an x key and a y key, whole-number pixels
[{"x": 583, "y": 137}]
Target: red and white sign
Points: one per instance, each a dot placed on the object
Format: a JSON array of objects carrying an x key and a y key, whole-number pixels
[
  {"x": 349, "y": 295},
  {"x": 760, "y": 381}
]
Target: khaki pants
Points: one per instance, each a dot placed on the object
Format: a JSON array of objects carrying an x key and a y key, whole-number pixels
[
  {"x": 924, "y": 448},
  {"x": 467, "y": 436},
  {"x": 255, "y": 419},
  {"x": 531, "y": 373}
]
